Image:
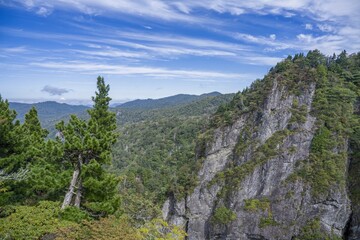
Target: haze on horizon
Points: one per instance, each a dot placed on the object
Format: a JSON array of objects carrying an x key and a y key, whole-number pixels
[{"x": 157, "y": 48}]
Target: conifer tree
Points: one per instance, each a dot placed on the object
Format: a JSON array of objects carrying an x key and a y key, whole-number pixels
[
  {"x": 7, "y": 126},
  {"x": 87, "y": 146},
  {"x": 22, "y": 148},
  {"x": 46, "y": 176}
]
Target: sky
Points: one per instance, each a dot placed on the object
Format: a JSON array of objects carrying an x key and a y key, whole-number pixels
[{"x": 55, "y": 49}]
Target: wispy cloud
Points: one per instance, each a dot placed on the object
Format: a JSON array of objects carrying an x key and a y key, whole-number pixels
[
  {"x": 151, "y": 45},
  {"x": 20, "y": 49},
  {"x": 145, "y": 8},
  {"x": 197, "y": 41},
  {"x": 93, "y": 68},
  {"x": 256, "y": 60},
  {"x": 265, "y": 41},
  {"x": 328, "y": 44},
  {"x": 181, "y": 11}
]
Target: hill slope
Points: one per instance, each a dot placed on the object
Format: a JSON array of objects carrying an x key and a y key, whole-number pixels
[{"x": 155, "y": 151}]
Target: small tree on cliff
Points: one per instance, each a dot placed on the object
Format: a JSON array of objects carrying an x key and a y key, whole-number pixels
[{"x": 87, "y": 146}]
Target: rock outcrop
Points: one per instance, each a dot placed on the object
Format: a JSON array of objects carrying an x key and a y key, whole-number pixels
[{"x": 252, "y": 184}]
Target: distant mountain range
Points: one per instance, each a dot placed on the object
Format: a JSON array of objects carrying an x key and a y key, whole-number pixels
[
  {"x": 51, "y": 110},
  {"x": 166, "y": 102}
]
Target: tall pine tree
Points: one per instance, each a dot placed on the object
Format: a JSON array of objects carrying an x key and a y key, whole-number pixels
[{"x": 87, "y": 146}]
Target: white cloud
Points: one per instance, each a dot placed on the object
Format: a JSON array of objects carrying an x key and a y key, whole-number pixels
[
  {"x": 327, "y": 44},
  {"x": 20, "y": 49},
  {"x": 266, "y": 41},
  {"x": 29, "y": 3},
  {"x": 91, "y": 68},
  {"x": 336, "y": 20},
  {"x": 262, "y": 60},
  {"x": 305, "y": 37},
  {"x": 325, "y": 27},
  {"x": 182, "y": 7},
  {"x": 180, "y": 10},
  {"x": 42, "y": 11},
  {"x": 152, "y": 45},
  {"x": 113, "y": 54}
]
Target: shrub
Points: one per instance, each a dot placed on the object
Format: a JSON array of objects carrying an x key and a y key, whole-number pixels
[
  {"x": 32, "y": 222},
  {"x": 223, "y": 215}
]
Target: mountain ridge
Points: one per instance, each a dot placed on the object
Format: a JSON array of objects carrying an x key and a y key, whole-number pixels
[{"x": 166, "y": 101}]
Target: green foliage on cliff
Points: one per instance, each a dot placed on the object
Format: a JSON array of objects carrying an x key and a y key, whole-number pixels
[
  {"x": 354, "y": 167},
  {"x": 232, "y": 177},
  {"x": 333, "y": 107},
  {"x": 312, "y": 231},
  {"x": 336, "y": 90},
  {"x": 257, "y": 204},
  {"x": 223, "y": 215},
  {"x": 267, "y": 221},
  {"x": 262, "y": 206}
]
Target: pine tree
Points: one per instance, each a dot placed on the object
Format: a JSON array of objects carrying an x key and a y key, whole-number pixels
[
  {"x": 44, "y": 180},
  {"x": 22, "y": 148},
  {"x": 7, "y": 126},
  {"x": 87, "y": 146},
  {"x": 9, "y": 146}
]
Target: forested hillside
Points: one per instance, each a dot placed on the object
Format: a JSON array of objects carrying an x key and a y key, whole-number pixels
[
  {"x": 175, "y": 106},
  {"x": 155, "y": 151},
  {"x": 278, "y": 160}
]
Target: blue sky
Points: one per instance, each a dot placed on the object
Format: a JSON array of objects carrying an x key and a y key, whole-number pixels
[{"x": 54, "y": 50}]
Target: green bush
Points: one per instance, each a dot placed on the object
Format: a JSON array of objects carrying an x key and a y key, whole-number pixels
[
  {"x": 257, "y": 204},
  {"x": 109, "y": 228},
  {"x": 267, "y": 221},
  {"x": 223, "y": 215},
  {"x": 312, "y": 231},
  {"x": 32, "y": 222},
  {"x": 74, "y": 214}
]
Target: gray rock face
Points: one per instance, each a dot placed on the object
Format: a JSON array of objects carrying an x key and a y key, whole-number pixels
[{"x": 290, "y": 203}]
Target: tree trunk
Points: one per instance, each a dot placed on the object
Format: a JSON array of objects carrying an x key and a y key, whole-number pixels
[
  {"x": 78, "y": 194},
  {"x": 74, "y": 182}
]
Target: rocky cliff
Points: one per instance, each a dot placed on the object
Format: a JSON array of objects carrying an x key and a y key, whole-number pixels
[{"x": 275, "y": 160}]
